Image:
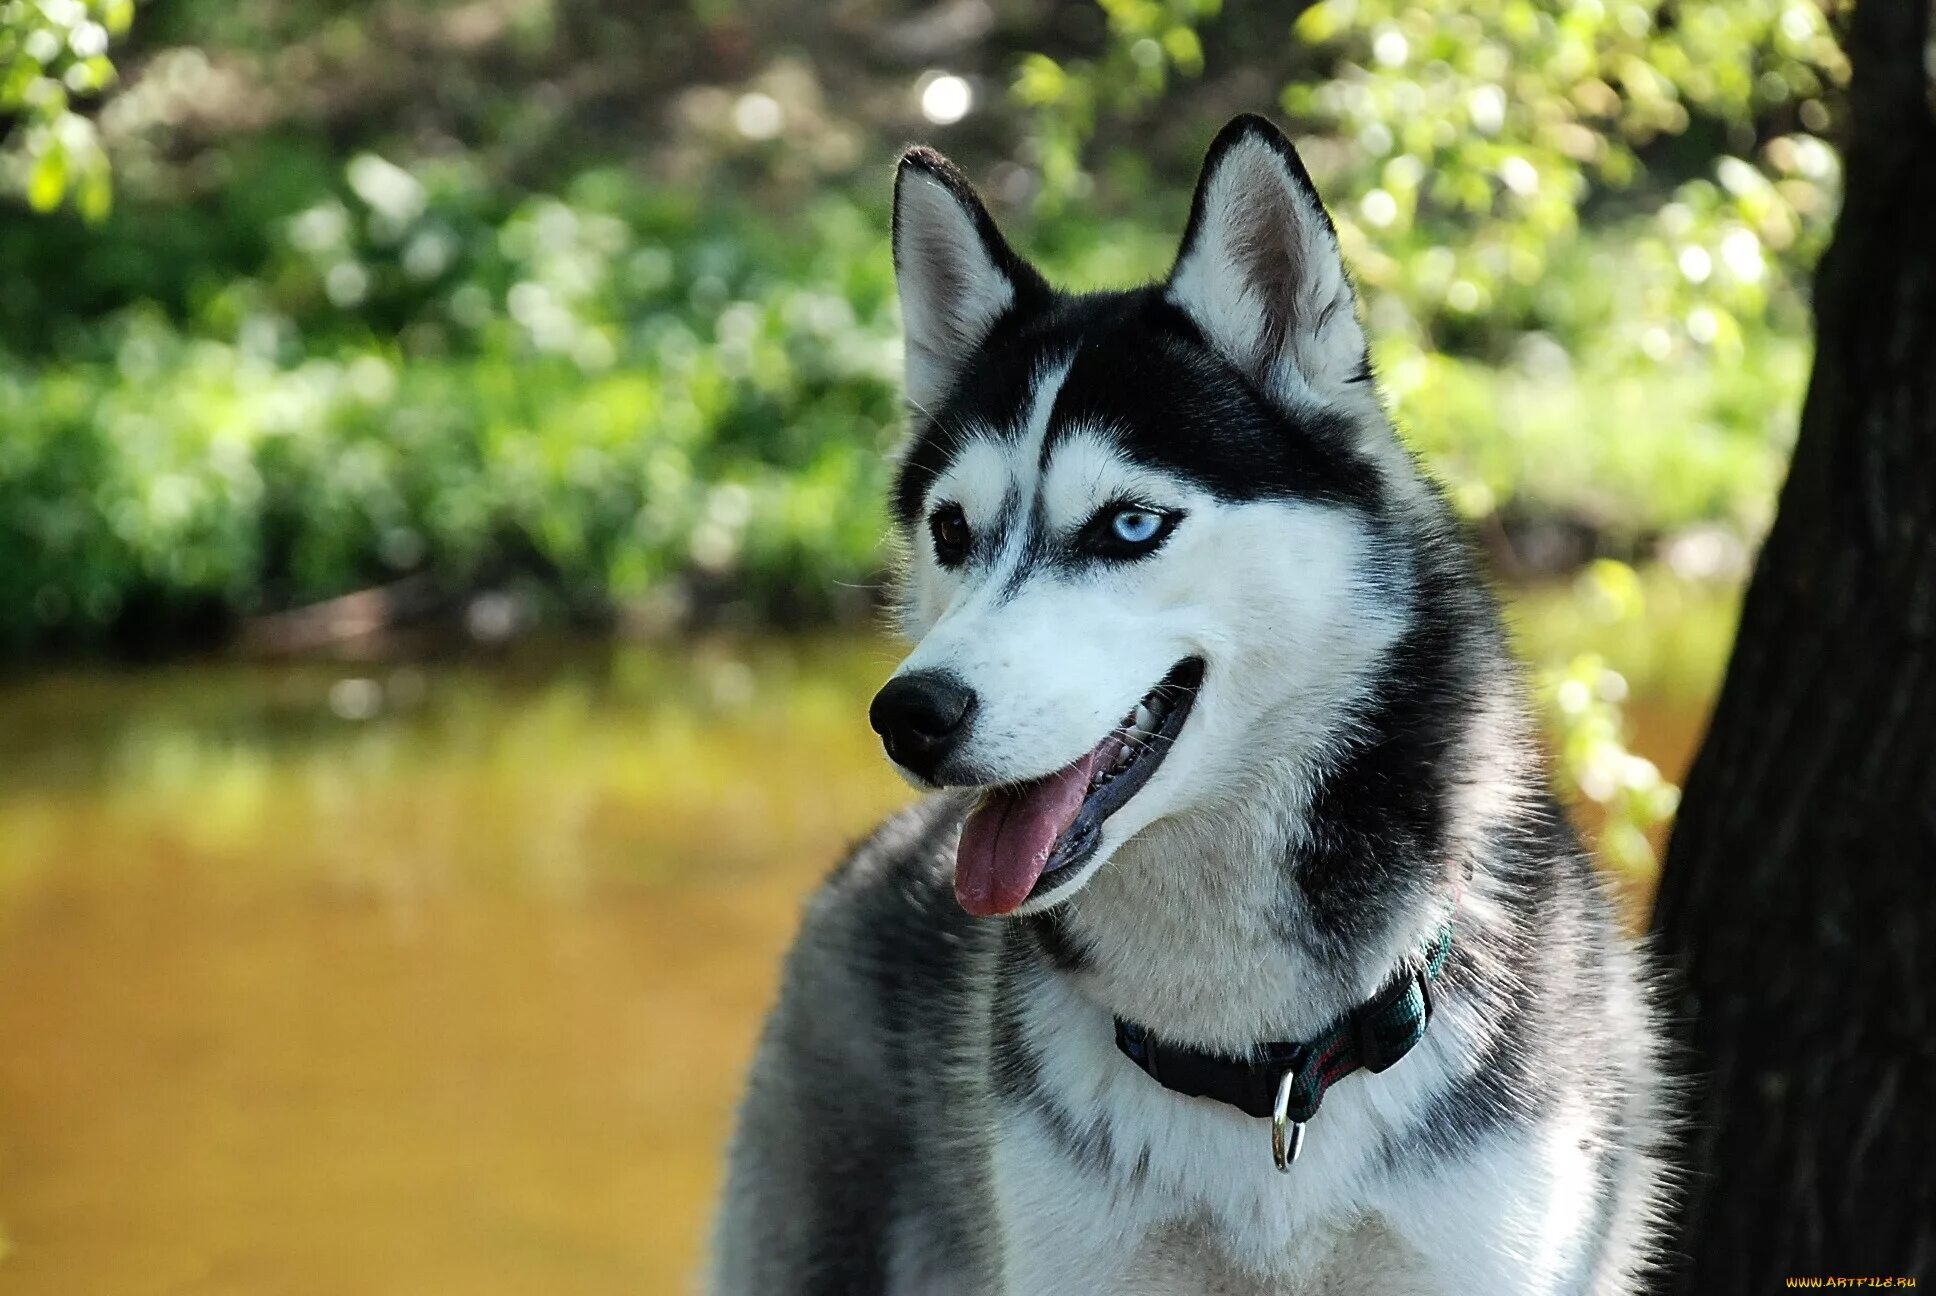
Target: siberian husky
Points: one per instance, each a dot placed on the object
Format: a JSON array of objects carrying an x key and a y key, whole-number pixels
[{"x": 1242, "y": 947}]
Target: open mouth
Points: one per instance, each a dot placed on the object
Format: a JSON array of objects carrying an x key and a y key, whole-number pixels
[{"x": 1020, "y": 840}]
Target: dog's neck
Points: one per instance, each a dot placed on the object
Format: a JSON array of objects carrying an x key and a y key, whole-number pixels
[
  {"x": 1272, "y": 913},
  {"x": 1211, "y": 943}
]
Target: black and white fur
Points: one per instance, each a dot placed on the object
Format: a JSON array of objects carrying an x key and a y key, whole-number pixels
[{"x": 937, "y": 1105}]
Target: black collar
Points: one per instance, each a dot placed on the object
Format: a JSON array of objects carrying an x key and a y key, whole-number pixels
[{"x": 1371, "y": 1037}]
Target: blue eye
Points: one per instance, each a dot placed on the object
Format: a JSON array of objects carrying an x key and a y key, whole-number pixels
[
  {"x": 1124, "y": 531},
  {"x": 1136, "y": 526}
]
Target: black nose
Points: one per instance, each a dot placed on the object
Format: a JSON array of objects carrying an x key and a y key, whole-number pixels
[{"x": 921, "y": 717}]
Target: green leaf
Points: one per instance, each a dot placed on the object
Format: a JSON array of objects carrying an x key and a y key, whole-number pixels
[
  {"x": 1184, "y": 49},
  {"x": 47, "y": 180},
  {"x": 95, "y": 193}
]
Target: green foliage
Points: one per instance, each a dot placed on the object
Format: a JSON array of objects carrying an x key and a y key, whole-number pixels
[
  {"x": 1582, "y": 232},
  {"x": 51, "y": 53},
  {"x": 304, "y": 354},
  {"x": 1613, "y": 192},
  {"x": 619, "y": 388},
  {"x": 1148, "y": 41},
  {"x": 1583, "y": 696}
]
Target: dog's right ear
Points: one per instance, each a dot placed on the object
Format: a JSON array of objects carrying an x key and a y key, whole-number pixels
[{"x": 955, "y": 273}]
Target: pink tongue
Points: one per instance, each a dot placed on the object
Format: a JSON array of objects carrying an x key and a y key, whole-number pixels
[{"x": 1006, "y": 841}]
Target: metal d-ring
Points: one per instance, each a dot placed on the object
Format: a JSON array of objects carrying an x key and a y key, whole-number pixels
[{"x": 1287, "y": 1135}]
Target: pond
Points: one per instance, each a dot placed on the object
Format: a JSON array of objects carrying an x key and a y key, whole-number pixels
[{"x": 433, "y": 975}]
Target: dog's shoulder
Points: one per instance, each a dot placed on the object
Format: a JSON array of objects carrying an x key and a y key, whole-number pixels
[
  {"x": 900, "y": 874},
  {"x": 887, "y": 913},
  {"x": 878, "y": 947},
  {"x": 907, "y": 849},
  {"x": 850, "y": 1085}
]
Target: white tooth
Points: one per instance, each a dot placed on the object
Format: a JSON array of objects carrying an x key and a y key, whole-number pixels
[{"x": 1145, "y": 718}]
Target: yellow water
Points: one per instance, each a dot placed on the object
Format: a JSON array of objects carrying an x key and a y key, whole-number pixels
[
  {"x": 328, "y": 978},
  {"x": 450, "y": 998}
]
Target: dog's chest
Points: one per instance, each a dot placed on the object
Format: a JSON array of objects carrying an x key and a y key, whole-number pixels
[
  {"x": 1099, "y": 1242},
  {"x": 1156, "y": 1218},
  {"x": 1358, "y": 1256}
]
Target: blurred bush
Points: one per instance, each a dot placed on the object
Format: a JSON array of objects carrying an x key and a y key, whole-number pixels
[
  {"x": 1582, "y": 231},
  {"x": 607, "y": 387},
  {"x": 51, "y": 53},
  {"x": 535, "y": 288}
]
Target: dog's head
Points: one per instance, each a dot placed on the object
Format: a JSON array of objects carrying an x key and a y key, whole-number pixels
[{"x": 1142, "y": 528}]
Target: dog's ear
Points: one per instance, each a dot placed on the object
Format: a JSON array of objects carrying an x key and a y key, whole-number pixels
[
  {"x": 1260, "y": 272},
  {"x": 956, "y": 275}
]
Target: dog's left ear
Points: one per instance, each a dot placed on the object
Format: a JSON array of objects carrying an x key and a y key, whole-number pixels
[{"x": 1260, "y": 272}]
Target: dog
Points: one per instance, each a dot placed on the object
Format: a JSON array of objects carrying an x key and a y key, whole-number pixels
[{"x": 1242, "y": 946}]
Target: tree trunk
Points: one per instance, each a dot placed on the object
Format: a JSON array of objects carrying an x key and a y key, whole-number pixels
[{"x": 1798, "y": 901}]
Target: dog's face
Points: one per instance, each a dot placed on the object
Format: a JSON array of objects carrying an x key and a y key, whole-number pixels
[{"x": 1141, "y": 528}]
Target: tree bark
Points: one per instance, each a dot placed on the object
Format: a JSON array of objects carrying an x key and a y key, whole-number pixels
[{"x": 1798, "y": 901}]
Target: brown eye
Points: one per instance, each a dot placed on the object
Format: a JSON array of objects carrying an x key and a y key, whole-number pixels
[{"x": 952, "y": 536}]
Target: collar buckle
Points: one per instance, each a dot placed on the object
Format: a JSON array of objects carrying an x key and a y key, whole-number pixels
[{"x": 1287, "y": 1135}]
